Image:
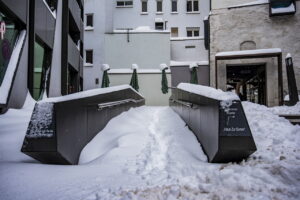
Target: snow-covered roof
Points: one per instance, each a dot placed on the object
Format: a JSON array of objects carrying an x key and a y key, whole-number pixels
[
  {"x": 188, "y": 63},
  {"x": 11, "y": 68},
  {"x": 248, "y": 52},
  {"x": 208, "y": 92},
  {"x": 87, "y": 93},
  {"x": 253, "y": 3}
]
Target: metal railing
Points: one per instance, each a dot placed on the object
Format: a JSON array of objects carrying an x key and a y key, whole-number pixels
[{"x": 117, "y": 103}]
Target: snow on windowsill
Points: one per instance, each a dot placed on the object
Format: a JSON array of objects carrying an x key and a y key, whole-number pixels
[
  {"x": 144, "y": 13},
  {"x": 11, "y": 68},
  {"x": 89, "y": 28},
  {"x": 87, "y": 93},
  {"x": 186, "y": 38},
  {"x": 249, "y": 52},
  {"x": 174, "y": 12},
  {"x": 208, "y": 92},
  {"x": 193, "y": 12},
  {"x": 159, "y": 13},
  {"x": 188, "y": 63},
  {"x": 88, "y": 65}
]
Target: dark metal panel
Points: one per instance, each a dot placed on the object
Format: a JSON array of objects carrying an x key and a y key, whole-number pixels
[
  {"x": 220, "y": 126},
  {"x": 75, "y": 11},
  {"x": 18, "y": 7},
  {"x": 73, "y": 54},
  {"x": 73, "y": 124},
  {"x": 64, "y": 47},
  {"x": 44, "y": 23}
]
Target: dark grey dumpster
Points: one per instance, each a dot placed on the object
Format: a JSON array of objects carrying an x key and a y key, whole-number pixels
[
  {"x": 220, "y": 126},
  {"x": 60, "y": 127}
]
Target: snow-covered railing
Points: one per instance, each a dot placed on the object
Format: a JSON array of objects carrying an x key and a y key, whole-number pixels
[
  {"x": 217, "y": 119},
  {"x": 60, "y": 127}
]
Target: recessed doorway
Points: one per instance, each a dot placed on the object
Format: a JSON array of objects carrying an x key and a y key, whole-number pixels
[{"x": 248, "y": 81}]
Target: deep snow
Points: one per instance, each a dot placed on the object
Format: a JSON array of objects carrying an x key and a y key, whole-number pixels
[{"x": 149, "y": 153}]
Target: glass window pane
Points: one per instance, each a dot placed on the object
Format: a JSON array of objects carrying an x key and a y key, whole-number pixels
[
  {"x": 128, "y": 3},
  {"x": 174, "y": 6},
  {"x": 159, "y": 6},
  {"x": 196, "y": 33},
  {"x": 189, "y": 33},
  {"x": 174, "y": 32},
  {"x": 159, "y": 25},
  {"x": 39, "y": 54},
  {"x": 120, "y": 3},
  {"x": 196, "y": 5},
  {"x": 89, "y": 56},
  {"x": 144, "y": 6},
  {"x": 189, "y": 6},
  {"x": 89, "y": 20}
]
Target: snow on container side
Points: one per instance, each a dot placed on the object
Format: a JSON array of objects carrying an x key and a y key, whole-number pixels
[
  {"x": 217, "y": 119},
  {"x": 61, "y": 127}
]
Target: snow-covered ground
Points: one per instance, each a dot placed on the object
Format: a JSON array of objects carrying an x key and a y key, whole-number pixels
[{"x": 149, "y": 153}]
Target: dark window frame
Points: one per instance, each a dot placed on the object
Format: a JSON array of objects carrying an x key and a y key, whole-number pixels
[
  {"x": 89, "y": 20},
  {"x": 89, "y": 56},
  {"x": 159, "y": 6},
  {"x": 174, "y": 6},
  {"x": 144, "y": 3}
]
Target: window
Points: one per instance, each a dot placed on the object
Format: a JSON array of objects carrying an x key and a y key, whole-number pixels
[
  {"x": 144, "y": 6},
  {"x": 9, "y": 32},
  {"x": 192, "y": 6},
  {"x": 174, "y": 32},
  {"x": 159, "y": 6},
  {"x": 41, "y": 70},
  {"x": 174, "y": 6},
  {"x": 159, "y": 26},
  {"x": 193, "y": 32},
  {"x": 89, "y": 56},
  {"x": 90, "y": 20},
  {"x": 127, "y": 3}
]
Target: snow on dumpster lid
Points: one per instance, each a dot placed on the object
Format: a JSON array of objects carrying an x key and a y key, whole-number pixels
[
  {"x": 87, "y": 93},
  {"x": 248, "y": 52},
  {"x": 208, "y": 92}
]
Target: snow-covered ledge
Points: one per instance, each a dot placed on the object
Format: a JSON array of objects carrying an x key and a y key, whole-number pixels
[
  {"x": 248, "y": 52},
  {"x": 87, "y": 93},
  {"x": 11, "y": 68},
  {"x": 208, "y": 92}
]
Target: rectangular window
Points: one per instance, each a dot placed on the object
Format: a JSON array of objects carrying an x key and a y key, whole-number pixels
[
  {"x": 174, "y": 32},
  {"x": 192, "y": 6},
  {"x": 159, "y": 6},
  {"x": 128, "y": 3},
  {"x": 89, "y": 56},
  {"x": 90, "y": 20},
  {"x": 174, "y": 5},
  {"x": 193, "y": 32},
  {"x": 144, "y": 6},
  {"x": 159, "y": 26}
]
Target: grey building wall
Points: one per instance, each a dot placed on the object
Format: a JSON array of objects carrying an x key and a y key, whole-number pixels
[{"x": 229, "y": 28}]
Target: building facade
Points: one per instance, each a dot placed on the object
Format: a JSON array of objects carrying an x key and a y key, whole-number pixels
[
  {"x": 41, "y": 49},
  {"x": 248, "y": 45},
  {"x": 146, "y": 33}
]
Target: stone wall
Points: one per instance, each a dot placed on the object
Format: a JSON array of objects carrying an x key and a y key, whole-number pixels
[{"x": 230, "y": 28}]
